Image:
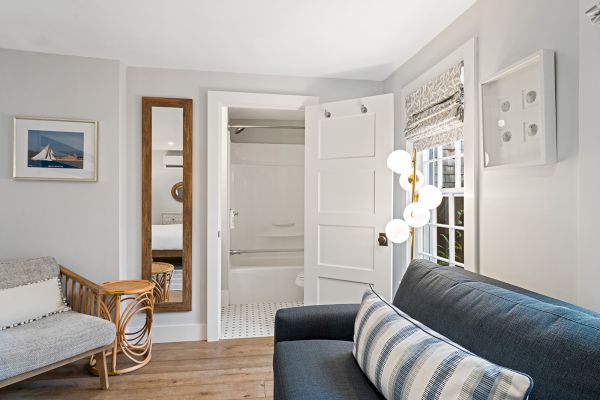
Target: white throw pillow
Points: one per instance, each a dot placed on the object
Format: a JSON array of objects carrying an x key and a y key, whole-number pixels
[
  {"x": 22, "y": 304},
  {"x": 405, "y": 359}
]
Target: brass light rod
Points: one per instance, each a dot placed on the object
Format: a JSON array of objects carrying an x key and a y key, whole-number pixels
[{"x": 415, "y": 197}]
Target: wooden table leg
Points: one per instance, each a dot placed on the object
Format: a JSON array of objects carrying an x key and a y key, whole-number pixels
[{"x": 102, "y": 369}]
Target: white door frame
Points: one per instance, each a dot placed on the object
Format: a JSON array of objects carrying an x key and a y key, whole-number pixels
[{"x": 217, "y": 169}]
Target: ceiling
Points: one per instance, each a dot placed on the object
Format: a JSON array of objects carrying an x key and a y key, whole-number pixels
[{"x": 354, "y": 39}]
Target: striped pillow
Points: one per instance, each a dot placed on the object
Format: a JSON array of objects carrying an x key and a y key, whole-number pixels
[{"x": 405, "y": 359}]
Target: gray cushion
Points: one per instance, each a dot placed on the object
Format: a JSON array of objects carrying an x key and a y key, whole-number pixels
[
  {"x": 51, "y": 339},
  {"x": 23, "y": 271},
  {"x": 319, "y": 370}
]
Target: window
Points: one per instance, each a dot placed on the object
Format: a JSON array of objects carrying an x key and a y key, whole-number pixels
[{"x": 442, "y": 239}]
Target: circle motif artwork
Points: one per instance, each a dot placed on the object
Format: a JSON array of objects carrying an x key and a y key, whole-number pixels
[
  {"x": 506, "y": 136},
  {"x": 531, "y": 96},
  {"x": 532, "y": 130},
  {"x": 505, "y": 106}
]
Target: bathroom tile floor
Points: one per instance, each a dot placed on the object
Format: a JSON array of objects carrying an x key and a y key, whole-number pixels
[{"x": 251, "y": 320}]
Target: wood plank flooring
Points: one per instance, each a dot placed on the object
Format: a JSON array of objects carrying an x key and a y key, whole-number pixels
[{"x": 229, "y": 369}]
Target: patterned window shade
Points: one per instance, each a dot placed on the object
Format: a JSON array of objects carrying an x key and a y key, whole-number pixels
[{"x": 436, "y": 111}]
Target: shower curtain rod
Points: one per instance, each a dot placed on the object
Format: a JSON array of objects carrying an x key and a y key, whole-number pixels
[
  {"x": 240, "y": 128},
  {"x": 239, "y": 251},
  {"x": 267, "y": 126}
]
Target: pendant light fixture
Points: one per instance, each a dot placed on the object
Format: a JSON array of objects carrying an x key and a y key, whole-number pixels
[{"x": 424, "y": 198}]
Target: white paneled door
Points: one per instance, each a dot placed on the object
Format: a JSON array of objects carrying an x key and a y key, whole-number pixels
[{"x": 348, "y": 199}]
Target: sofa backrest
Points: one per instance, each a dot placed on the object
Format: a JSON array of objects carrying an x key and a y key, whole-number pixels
[
  {"x": 556, "y": 343},
  {"x": 23, "y": 271}
]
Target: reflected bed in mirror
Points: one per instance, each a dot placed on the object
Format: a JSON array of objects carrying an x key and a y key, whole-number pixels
[{"x": 166, "y": 207}]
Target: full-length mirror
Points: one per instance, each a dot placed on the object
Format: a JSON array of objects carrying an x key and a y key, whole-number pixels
[{"x": 167, "y": 200}]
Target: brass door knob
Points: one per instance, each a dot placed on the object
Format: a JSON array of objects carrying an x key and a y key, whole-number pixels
[{"x": 382, "y": 239}]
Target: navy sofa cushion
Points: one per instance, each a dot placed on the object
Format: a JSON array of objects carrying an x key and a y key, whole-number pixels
[
  {"x": 319, "y": 370},
  {"x": 556, "y": 343},
  {"x": 328, "y": 321}
]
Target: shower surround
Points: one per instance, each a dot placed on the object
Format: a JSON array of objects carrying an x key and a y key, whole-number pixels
[{"x": 266, "y": 222}]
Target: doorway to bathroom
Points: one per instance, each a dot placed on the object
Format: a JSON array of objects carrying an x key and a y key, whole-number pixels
[
  {"x": 263, "y": 261},
  {"x": 255, "y": 220},
  {"x": 262, "y": 224}
]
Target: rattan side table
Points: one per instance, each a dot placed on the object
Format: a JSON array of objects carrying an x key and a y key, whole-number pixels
[
  {"x": 123, "y": 300},
  {"x": 161, "y": 276}
]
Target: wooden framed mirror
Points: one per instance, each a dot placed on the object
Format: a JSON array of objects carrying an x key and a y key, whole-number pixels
[{"x": 167, "y": 220}]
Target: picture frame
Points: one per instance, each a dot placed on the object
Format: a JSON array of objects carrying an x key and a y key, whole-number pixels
[
  {"x": 518, "y": 114},
  {"x": 55, "y": 149}
]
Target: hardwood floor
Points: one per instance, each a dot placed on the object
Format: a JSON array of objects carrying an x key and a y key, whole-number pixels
[{"x": 229, "y": 369}]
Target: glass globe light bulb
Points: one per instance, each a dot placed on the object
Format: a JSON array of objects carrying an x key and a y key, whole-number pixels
[
  {"x": 399, "y": 161},
  {"x": 416, "y": 215},
  {"x": 397, "y": 231},
  {"x": 406, "y": 181},
  {"x": 430, "y": 196}
]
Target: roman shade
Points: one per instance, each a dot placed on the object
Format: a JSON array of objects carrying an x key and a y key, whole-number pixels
[{"x": 435, "y": 112}]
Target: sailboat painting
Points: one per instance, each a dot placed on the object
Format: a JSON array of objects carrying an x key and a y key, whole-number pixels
[{"x": 54, "y": 149}]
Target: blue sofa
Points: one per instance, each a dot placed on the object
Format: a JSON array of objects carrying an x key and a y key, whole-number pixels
[{"x": 556, "y": 343}]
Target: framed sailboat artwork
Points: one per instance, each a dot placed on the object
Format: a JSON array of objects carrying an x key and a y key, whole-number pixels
[{"x": 55, "y": 149}]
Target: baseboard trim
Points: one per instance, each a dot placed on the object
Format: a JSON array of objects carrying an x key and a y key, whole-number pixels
[{"x": 178, "y": 333}]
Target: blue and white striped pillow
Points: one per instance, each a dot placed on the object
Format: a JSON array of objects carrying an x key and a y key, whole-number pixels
[{"x": 405, "y": 359}]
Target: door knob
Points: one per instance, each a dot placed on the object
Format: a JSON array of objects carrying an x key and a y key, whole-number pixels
[{"x": 382, "y": 239}]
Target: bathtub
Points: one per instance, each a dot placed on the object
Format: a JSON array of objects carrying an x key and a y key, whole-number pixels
[{"x": 264, "y": 279}]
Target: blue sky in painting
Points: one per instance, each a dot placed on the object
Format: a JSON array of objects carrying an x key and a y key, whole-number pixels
[{"x": 61, "y": 142}]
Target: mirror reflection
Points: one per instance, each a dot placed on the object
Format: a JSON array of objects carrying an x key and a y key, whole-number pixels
[
  {"x": 177, "y": 192},
  {"x": 167, "y": 204}
]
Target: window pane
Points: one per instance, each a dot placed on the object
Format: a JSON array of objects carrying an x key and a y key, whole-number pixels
[
  {"x": 431, "y": 153},
  {"x": 432, "y": 175},
  {"x": 459, "y": 247},
  {"x": 459, "y": 211},
  {"x": 448, "y": 150},
  {"x": 426, "y": 248},
  {"x": 449, "y": 175},
  {"x": 443, "y": 243},
  {"x": 442, "y": 212},
  {"x": 461, "y": 165}
]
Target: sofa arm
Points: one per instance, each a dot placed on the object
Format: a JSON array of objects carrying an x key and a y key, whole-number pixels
[
  {"x": 82, "y": 295},
  {"x": 335, "y": 322}
]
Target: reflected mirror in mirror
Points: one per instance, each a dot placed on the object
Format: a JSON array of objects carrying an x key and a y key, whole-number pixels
[
  {"x": 168, "y": 254},
  {"x": 177, "y": 192}
]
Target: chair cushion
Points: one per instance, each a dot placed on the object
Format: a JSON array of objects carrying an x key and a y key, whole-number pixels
[
  {"x": 52, "y": 339},
  {"x": 319, "y": 370},
  {"x": 23, "y": 271},
  {"x": 405, "y": 359}
]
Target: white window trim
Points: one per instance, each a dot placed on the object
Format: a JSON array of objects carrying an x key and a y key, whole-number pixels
[
  {"x": 451, "y": 194},
  {"x": 466, "y": 53}
]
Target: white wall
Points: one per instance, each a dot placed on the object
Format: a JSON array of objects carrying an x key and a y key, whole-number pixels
[
  {"x": 76, "y": 222},
  {"x": 588, "y": 277},
  {"x": 194, "y": 85},
  {"x": 163, "y": 180},
  {"x": 528, "y": 216},
  {"x": 267, "y": 188},
  {"x": 95, "y": 227}
]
